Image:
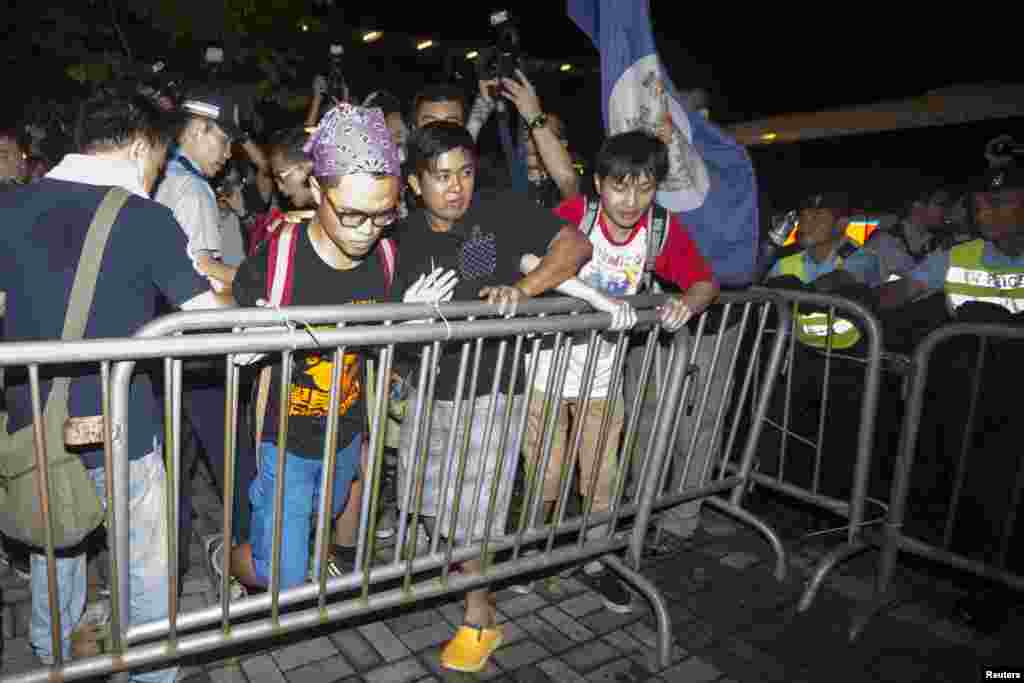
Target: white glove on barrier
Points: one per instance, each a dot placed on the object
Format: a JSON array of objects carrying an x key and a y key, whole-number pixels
[
  {"x": 437, "y": 286},
  {"x": 623, "y": 314}
]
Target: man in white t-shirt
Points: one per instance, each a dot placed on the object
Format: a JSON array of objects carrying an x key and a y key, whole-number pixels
[{"x": 629, "y": 168}]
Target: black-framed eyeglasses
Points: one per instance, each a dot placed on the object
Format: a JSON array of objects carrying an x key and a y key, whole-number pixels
[{"x": 355, "y": 219}]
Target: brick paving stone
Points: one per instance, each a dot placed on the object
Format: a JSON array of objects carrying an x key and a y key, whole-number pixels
[
  {"x": 324, "y": 671},
  {"x": 452, "y": 612},
  {"x": 624, "y": 642},
  {"x": 384, "y": 641},
  {"x": 543, "y": 631},
  {"x": 303, "y": 653},
  {"x": 560, "y": 671},
  {"x": 432, "y": 660},
  {"x": 413, "y": 621},
  {"x": 356, "y": 649},
  {"x": 606, "y": 621},
  {"x": 582, "y": 605},
  {"x": 404, "y": 671},
  {"x": 619, "y": 671},
  {"x": 566, "y": 624},
  {"x": 523, "y": 604},
  {"x": 531, "y": 674},
  {"x": 428, "y": 636},
  {"x": 227, "y": 674},
  {"x": 524, "y": 653},
  {"x": 590, "y": 656},
  {"x": 262, "y": 669},
  {"x": 740, "y": 560},
  {"x": 694, "y": 635},
  {"x": 513, "y": 632},
  {"x": 692, "y": 670}
]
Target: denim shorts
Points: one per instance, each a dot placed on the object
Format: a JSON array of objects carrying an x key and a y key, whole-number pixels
[{"x": 302, "y": 484}]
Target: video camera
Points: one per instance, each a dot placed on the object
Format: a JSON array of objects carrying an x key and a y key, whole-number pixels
[
  {"x": 503, "y": 58},
  {"x": 336, "y": 85}
]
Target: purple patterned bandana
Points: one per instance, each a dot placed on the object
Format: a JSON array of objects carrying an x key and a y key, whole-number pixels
[{"x": 351, "y": 140}]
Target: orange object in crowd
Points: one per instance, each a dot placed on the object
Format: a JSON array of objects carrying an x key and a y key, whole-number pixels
[{"x": 858, "y": 231}]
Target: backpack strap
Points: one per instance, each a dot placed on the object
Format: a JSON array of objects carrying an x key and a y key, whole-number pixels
[
  {"x": 389, "y": 259},
  {"x": 657, "y": 236},
  {"x": 280, "y": 279},
  {"x": 591, "y": 210}
]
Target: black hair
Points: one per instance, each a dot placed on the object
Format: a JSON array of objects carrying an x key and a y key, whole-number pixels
[
  {"x": 385, "y": 101},
  {"x": 439, "y": 92},
  {"x": 289, "y": 143},
  {"x": 634, "y": 154},
  {"x": 114, "y": 121},
  {"x": 428, "y": 143}
]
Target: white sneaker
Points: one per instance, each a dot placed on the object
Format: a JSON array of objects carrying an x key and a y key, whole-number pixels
[{"x": 215, "y": 560}]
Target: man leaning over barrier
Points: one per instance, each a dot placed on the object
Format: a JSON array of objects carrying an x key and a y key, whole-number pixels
[
  {"x": 337, "y": 257},
  {"x": 482, "y": 238},
  {"x": 630, "y": 167},
  {"x": 122, "y": 145}
]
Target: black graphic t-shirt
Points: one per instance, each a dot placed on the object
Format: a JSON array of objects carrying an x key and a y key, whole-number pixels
[
  {"x": 484, "y": 248},
  {"x": 315, "y": 284}
]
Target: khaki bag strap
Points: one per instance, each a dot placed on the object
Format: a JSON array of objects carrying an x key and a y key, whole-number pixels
[{"x": 84, "y": 287}]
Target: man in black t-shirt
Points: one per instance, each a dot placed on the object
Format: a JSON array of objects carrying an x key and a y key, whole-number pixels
[
  {"x": 336, "y": 261},
  {"x": 481, "y": 238}
]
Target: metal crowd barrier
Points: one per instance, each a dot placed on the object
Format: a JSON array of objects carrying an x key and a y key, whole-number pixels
[
  {"x": 898, "y": 535},
  {"x": 717, "y": 423},
  {"x": 797, "y": 482},
  {"x": 374, "y": 586}
]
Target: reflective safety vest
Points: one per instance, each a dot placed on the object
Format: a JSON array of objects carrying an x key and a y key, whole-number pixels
[
  {"x": 968, "y": 278},
  {"x": 812, "y": 328}
]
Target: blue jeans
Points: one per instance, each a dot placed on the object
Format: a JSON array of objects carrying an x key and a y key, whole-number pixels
[
  {"x": 301, "y": 491},
  {"x": 147, "y": 547}
]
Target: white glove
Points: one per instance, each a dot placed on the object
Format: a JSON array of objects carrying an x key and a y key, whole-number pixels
[
  {"x": 623, "y": 315},
  {"x": 434, "y": 288}
]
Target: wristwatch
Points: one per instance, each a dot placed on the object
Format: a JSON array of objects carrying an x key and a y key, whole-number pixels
[{"x": 538, "y": 121}]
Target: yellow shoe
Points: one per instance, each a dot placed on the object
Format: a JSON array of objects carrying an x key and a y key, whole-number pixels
[{"x": 471, "y": 647}]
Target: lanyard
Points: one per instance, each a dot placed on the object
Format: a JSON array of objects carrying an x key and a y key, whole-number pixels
[{"x": 190, "y": 167}]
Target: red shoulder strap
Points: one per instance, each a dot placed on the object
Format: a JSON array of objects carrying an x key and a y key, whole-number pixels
[
  {"x": 280, "y": 259},
  {"x": 389, "y": 259}
]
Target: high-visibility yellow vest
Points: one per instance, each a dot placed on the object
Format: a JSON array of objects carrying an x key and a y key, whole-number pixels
[
  {"x": 968, "y": 278},
  {"x": 812, "y": 328}
]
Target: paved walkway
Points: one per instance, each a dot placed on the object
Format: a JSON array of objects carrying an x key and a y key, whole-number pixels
[{"x": 731, "y": 621}]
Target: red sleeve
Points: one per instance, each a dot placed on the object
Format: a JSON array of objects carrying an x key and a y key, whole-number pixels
[
  {"x": 681, "y": 262},
  {"x": 571, "y": 210}
]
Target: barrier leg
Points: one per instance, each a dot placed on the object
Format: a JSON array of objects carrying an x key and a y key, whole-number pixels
[
  {"x": 657, "y": 600},
  {"x": 762, "y": 527},
  {"x": 837, "y": 556}
]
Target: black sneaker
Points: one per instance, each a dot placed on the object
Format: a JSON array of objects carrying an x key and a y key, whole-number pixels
[{"x": 617, "y": 597}]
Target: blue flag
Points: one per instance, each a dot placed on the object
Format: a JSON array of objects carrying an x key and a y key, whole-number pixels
[{"x": 711, "y": 181}]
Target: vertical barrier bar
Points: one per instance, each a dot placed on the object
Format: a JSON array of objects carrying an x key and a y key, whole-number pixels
[
  {"x": 172, "y": 458},
  {"x": 230, "y": 456},
  {"x": 570, "y": 455},
  {"x": 560, "y": 359},
  {"x": 499, "y": 469},
  {"x": 427, "y": 385},
  {"x": 43, "y": 488},
  {"x": 961, "y": 464},
  {"x": 366, "y": 548},
  {"x": 460, "y": 476},
  {"x": 282, "y": 455},
  {"x": 614, "y": 390},
  {"x": 492, "y": 411},
  {"x": 325, "y": 518},
  {"x": 530, "y": 474},
  {"x": 448, "y": 461},
  {"x": 663, "y": 427},
  {"x": 113, "y": 525}
]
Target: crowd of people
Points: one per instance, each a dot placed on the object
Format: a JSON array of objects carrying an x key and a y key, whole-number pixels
[{"x": 375, "y": 202}]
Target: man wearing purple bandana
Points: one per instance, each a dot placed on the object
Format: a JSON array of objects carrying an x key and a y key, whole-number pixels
[{"x": 336, "y": 260}]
